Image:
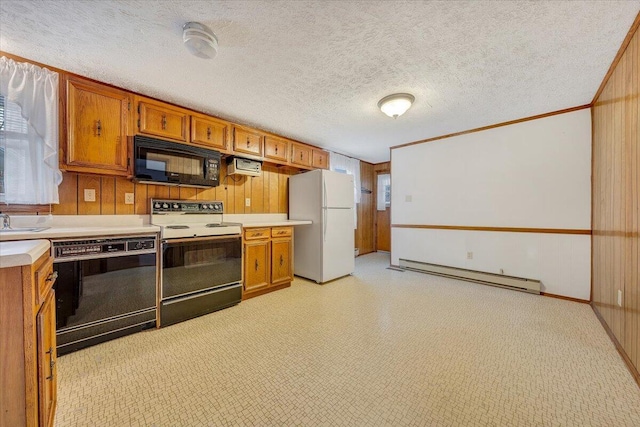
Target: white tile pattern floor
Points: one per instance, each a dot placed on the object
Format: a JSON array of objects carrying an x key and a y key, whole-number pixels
[{"x": 379, "y": 348}]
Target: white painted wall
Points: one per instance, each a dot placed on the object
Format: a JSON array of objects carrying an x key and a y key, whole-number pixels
[{"x": 535, "y": 174}]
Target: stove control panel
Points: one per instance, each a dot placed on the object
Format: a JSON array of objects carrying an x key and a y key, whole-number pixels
[{"x": 186, "y": 207}]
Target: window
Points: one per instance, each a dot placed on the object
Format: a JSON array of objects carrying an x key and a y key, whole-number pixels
[
  {"x": 13, "y": 145},
  {"x": 383, "y": 198}
]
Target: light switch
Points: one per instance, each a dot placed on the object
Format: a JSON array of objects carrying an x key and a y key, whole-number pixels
[{"x": 89, "y": 195}]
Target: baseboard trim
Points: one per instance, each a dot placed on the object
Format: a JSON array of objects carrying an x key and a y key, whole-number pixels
[
  {"x": 583, "y": 301},
  {"x": 632, "y": 369},
  {"x": 247, "y": 295}
]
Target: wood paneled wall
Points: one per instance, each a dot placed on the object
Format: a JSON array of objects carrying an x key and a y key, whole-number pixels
[
  {"x": 269, "y": 193},
  {"x": 616, "y": 204},
  {"x": 364, "y": 238}
]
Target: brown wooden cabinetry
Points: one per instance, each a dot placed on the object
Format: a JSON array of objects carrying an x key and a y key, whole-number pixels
[
  {"x": 268, "y": 260},
  {"x": 28, "y": 344},
  {"x": 210, "y": 132},
  {"x": 247, "y": 141},
  {"x": 276, "y": 149},
  {"x": 301, "y": 155},
  {"x": 163, "y": 120},
  {"x": 97, "y": 119},
  {"x": 320, "y": 159}
]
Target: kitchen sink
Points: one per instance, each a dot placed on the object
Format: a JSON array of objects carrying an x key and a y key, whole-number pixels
[{"x": 23, "y": 229}]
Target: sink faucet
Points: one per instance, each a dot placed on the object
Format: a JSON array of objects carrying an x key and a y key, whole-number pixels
[{"x": 6, "y": 221}]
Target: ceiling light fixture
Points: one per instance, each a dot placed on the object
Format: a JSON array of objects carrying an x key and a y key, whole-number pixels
[
  {"x": 396, "y": 105},
  {"x": 200, "y": 40}
]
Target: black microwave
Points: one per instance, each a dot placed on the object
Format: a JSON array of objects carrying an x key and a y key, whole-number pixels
[{"x": 163, "y": 162}]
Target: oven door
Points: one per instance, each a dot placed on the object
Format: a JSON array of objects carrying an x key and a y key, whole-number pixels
[{"x": 199, "y": 276}]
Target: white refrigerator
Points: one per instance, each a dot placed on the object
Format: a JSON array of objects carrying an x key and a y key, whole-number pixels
[{"x": 324, "y": 250}]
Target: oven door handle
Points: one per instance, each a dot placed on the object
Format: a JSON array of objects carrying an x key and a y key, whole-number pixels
[{"x": 201, "y": 239}]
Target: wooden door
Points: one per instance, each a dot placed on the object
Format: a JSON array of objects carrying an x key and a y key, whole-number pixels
[
  {"x": 301, "y": 155},
  {"x": 97, "y": 124},
  {"x": 47, "y": 369},
  {"x": 162, "y": 120},
  {"x": 281, "y": 261},
  {"x": 276, "y": 149},
  {"x": 256, "y": 262},
  {"x": 210, "y": 132},
  {"x": 247, "y": 141}
]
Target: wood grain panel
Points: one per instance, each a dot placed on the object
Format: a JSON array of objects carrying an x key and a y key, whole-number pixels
[
  {"x": 141, "y": 206},
  {"x": 68, "y": 195},
  {"x": 88, "y": 182},
  {"x": 365, "y": 228},
  {"x": 238, "y": 188},
  {"x": 108, "y": 196},
  {"x": 273, "y": 190},
  {"x": 257, "y": 196},
  {"x": 124, "y": 186},
  {"x": 615, "y": 198},
  {"x": 283, "y": 192}
]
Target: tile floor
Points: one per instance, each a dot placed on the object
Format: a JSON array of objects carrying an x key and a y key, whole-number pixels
[{"x": 379, "y": 348}]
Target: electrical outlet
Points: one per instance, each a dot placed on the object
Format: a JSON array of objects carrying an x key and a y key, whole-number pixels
[
  {"x": 408, "y": 198},
  {"x": 89, "y": 195},
  {"x": 129, "y": 198},
  {"x": 247, "y": 202},
  {"x": 619, "y": 298},
  {"x": 469, "y": 255}
]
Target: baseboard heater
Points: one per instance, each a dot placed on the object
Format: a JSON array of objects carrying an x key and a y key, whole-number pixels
[{"x": 517, "y": 283}]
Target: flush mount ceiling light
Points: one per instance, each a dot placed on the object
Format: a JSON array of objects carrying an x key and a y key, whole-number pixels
[
  {"x": 200, "y": 40},
  {"x": 396, "y": 105}
]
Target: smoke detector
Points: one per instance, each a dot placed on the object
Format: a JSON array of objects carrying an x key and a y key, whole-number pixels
[{"x": 200, "y": 40}]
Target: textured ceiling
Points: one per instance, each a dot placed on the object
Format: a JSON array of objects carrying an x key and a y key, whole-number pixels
[{"x": 315, "y": 70}]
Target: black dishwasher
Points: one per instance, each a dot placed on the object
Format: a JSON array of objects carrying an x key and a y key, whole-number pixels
[{"x": 106, "y": 288}]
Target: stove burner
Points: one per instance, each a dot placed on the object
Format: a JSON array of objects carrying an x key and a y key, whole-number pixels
[
  {"x": 177, "y": 227},
  {"x": 214, "y": 225}
]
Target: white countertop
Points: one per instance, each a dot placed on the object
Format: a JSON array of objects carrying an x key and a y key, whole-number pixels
[
  {"x": 263, "y": 220},
  {"x": 274, "y": 223},
  {"x": 24, "y": 252}
]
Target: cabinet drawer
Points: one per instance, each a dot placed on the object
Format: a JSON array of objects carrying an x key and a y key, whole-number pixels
[
  {"x": 44, "y": 278},
  {"x": 256, "y": 233},
  {"x": 209, "y": 132},
  {"x": 281, "y": 232}
]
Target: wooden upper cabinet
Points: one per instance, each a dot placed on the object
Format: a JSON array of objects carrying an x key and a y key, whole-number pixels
[
  {"x": 300, "y": 155},
  {"x": 320, "y": 159},
  {"x": 163, "y": 120},
  {"x": 210, "y": 132},
  {"x": 247, "y": 141},
  {"x": 276, "y": 149},
  {"x": 97, "y": 128}
]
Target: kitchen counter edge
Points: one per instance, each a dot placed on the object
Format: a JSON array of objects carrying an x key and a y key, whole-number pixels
[
  {"x": 22, "y": 252},
  {"x": 275, "y": 223}
]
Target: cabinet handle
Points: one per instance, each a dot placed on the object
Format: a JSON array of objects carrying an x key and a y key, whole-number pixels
[
  {"x": 276, "y": 149},
  {"x": 99, "y": 127},
  {"x": 164, "y": 122},
  {"x": 257, "y": 265},
  {"x": 51, "y": 363},
  {"x": 209, "y": 133},
  {"x": 281, "y": 260},
  {"x": 52, "y": 277},
  {"x": 301, "y": 156},
  {"x": 248, "y": 143}
]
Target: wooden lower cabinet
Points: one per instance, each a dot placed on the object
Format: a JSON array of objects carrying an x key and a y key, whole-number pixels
[
  {"x": 268, "y": 260},
  {"x": 28, "y": 371}
]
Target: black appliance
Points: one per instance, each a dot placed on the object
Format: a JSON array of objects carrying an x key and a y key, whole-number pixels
[
  {"x": 106, "y": 288},
  {"x": 162, "y": 162}
]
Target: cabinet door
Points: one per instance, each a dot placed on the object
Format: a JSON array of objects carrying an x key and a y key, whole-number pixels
[
  {"x": 209, "y": 132},
  {"x": 47, "y": 369},
  {"x": 256, "y": 263},
  {"x": 320, "y": 159},
  {"x": 97, "y": 119},
  {"x": 280, "y": 261},
  {"x": 276, "y": 148},
  {"x": 247, "y": 141},
  {"x": 163, "y": 121},
  {"x": 300, "y": 155}
]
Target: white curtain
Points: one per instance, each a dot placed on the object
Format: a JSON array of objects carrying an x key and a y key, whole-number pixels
[
  {"x": 31, "y": 175},
  {"x": 384, "y": 180}
]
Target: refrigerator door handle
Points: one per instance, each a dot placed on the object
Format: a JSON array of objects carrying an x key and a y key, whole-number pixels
[
  {"x": 324, "y": 194},
  {"x": 325, "y": 217}
]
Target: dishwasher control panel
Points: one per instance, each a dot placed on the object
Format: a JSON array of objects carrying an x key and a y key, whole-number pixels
[{"x": 106, "y": 247}]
